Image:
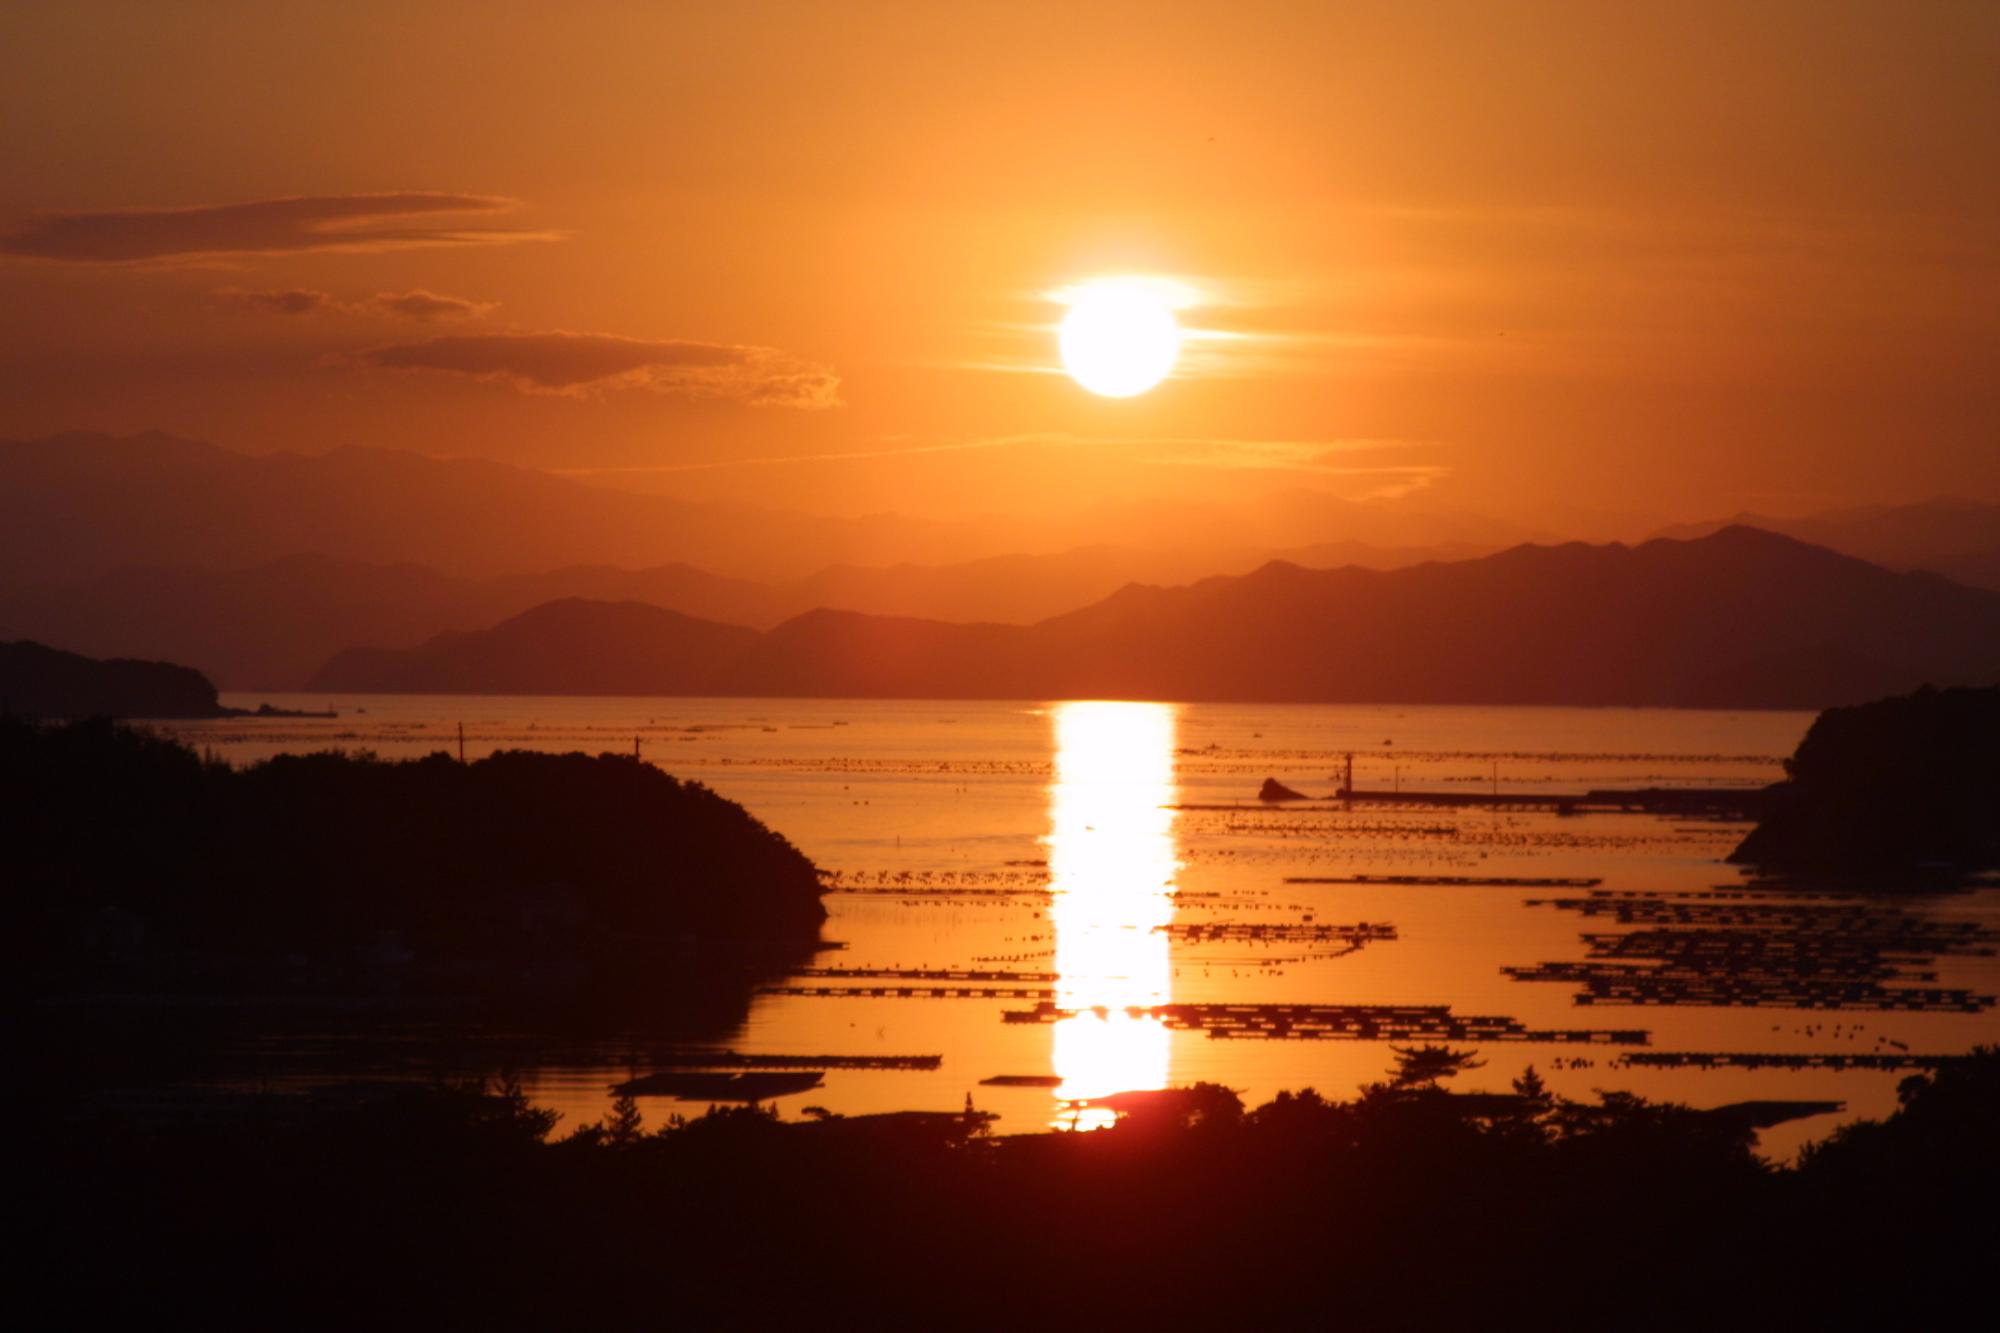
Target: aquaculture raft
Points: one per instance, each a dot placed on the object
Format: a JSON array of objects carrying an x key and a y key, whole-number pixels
[
  {"x": 1330, "y": 1022},
  {"x": 720, "y": 1087},
  {"x": 1453, "y": 881}
]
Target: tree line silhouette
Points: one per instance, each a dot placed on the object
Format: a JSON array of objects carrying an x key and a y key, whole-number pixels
[{"x": 1404, "y": 1206}]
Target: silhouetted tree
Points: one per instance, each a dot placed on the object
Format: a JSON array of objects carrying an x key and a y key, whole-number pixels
[
  {"x": 1420, "y": 1068},
  {"x": 513, "y": 1112},
  {"x": 623, "y": 1124}
]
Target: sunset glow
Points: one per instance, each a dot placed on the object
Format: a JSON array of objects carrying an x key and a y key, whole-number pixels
[
  {"x": 1112, "y": 862},
  {"x": 647, "y": 649}
]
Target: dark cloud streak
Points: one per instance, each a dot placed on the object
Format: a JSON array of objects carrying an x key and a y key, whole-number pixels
[
  {"x": 426, "y": 307},
  {"x": 584, "y": 363},
  {"x": 348, "y": 222},
  {"x": 285, "y": 301}
]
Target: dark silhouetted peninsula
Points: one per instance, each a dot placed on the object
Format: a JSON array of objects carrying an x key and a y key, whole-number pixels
[
  {"x": 1739, "y": 619},
  {"x": 1903, "y": 787},
  {"x": 39, "y": 681},
  {"x": 136, "y": 865}
]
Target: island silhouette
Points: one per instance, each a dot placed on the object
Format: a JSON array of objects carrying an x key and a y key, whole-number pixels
[{"x": 1903, "y": 788}]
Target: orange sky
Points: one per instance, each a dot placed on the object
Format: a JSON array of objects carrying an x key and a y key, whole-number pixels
[{"x": 1664, "y": 260}]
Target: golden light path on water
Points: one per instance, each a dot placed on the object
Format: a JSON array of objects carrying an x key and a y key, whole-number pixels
[{"x": 1112, "y": 860}]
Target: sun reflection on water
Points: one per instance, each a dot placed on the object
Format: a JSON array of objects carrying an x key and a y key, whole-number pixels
[{"x": 1112, "y": 862}]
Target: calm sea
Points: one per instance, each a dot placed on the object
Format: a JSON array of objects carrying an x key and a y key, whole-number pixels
[{"x": 1097, "y": 861}]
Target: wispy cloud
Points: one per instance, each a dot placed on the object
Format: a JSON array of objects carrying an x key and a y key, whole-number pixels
[
  {"x": 1389, "y": 462},
  {"x": 340, "y": 222},
  {"x": 1236, "y": 328},
  {"x": 277, "y": 301},
  {"x": 581, "y": 364},
  {"x": 426, "y": 306},
  {"x": 423, "y": 306},
  {"x": 1347, "y": 458}
]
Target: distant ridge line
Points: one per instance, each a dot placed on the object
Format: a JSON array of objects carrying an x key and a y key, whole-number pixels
[{"x": 1738, "y": 619}]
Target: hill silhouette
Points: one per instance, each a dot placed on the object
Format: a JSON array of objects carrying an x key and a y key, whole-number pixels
[
  {"x": 1020, "y": 589},
  {"x": 39, "y": 681},
  {"x": 1742, "y": 618},
  {"x": 136, "y": 865},
  {"x": 572, "y": 646},
  {"x": 1957, "y": 538},
  {"x": 272, "y": 626},
  {"x": 1901, "y": 787}
]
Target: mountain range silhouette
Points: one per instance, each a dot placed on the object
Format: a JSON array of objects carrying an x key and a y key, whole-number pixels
[{"x": 1740, "y": 618}]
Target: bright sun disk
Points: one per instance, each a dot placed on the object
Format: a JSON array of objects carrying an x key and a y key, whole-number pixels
[{"x": 1120, "y": 337}]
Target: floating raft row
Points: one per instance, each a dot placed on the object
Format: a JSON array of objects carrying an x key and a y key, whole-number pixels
[
  {"x": 1202, "y": 932},
  {"x": 1825, "y": 918},
  {"x": 928, "y": 892},
  {"x": 747, "y": 1060},
  {"x": 1774, "y": 955},
  {"x": 1765, "y": 968},
  {"x": 1741, "y": 1060},
  {"x": 1801, "y": 953},
  {"x": 1325, "y": 1022},
  {"x": 1735, "y": 803},
  {"x": 1022, "y": 1081},
  {"x": 1716, "y": 803},
  {"x": 967, "y": 992},
  {"x": 925, "y": 974},
  {"x": 722, "y": 1087},
  {"x": 1453, "y": 881},
  {"x": 1755, "y": 890},
  {"x": 938, "y": 891},
  {"x": 1612, "y": 983}
]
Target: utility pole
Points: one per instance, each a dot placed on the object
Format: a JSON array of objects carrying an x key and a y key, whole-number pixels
[
  {"x": 635, "y": 750},
  {"x": 461, "y": 742}
]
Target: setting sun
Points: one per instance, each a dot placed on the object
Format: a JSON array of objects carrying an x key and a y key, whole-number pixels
[{"x": 1120, "y": 337}]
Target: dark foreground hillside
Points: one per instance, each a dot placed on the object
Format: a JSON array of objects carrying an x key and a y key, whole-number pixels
[
  {"x": 135, "y": 865},
  {"x": 1404, "y": 1208}
]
